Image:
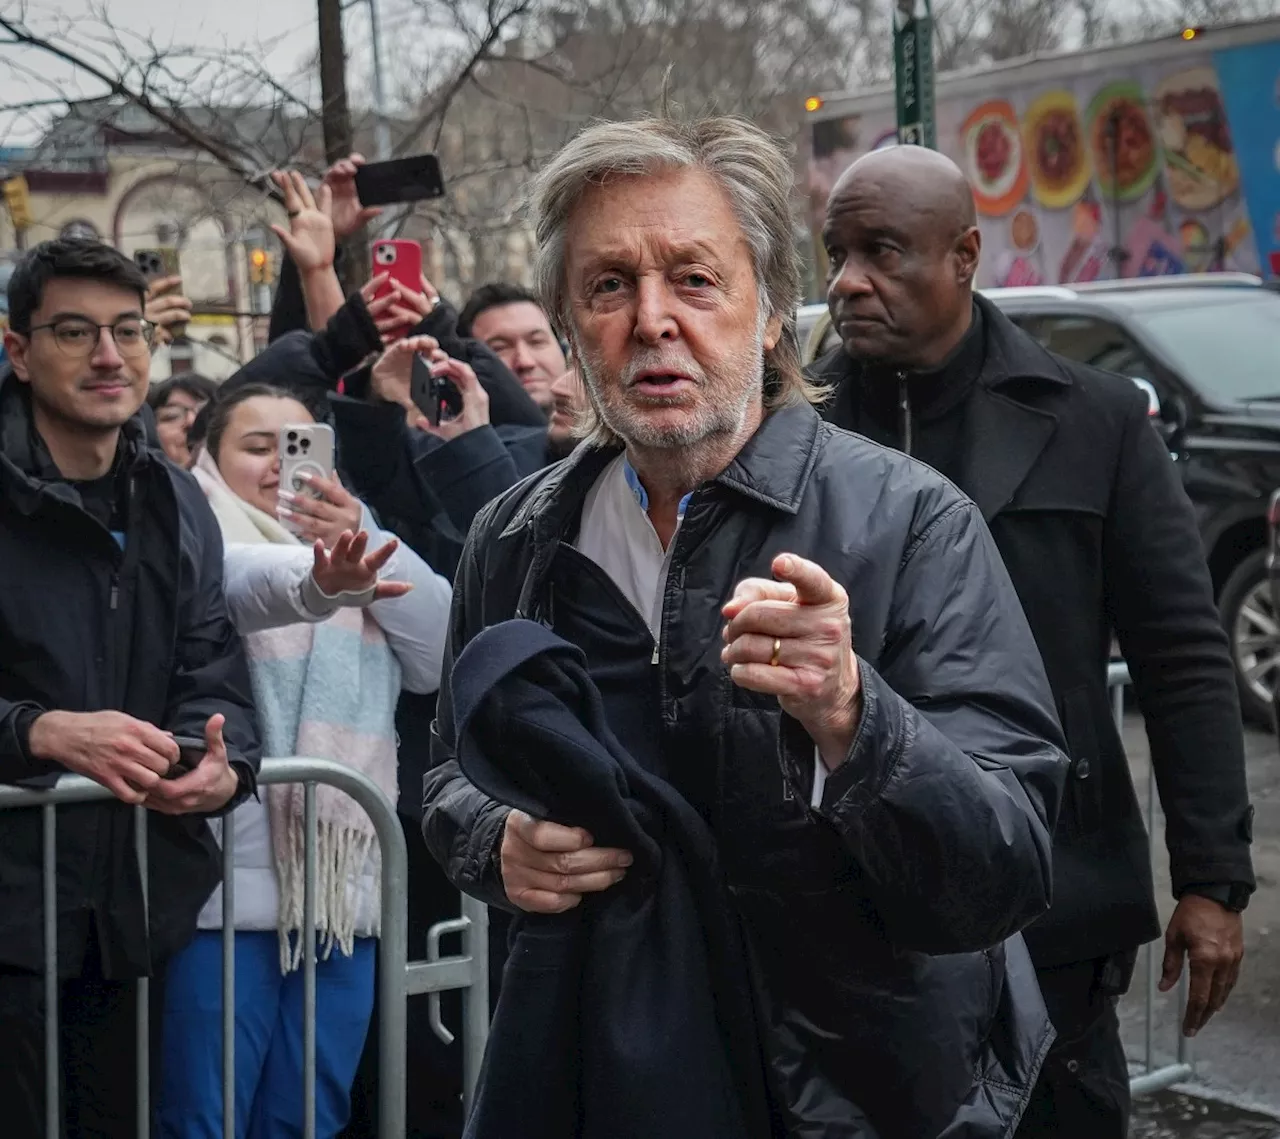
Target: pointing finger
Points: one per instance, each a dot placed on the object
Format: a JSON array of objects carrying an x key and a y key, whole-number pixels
[{"x": 814, "y": 586}]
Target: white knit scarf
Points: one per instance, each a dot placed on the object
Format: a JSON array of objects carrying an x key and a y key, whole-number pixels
[{"x": 323, "y": 691}]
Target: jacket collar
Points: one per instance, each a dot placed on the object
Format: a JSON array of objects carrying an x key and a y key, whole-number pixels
[
  {"x": 1014, "y": 356},
  {"x": 1010, "y": 418},
  {"x": 773, "y": 468}
]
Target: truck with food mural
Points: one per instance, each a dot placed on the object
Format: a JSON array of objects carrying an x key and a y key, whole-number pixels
[{"x": 1145, "y": 159}]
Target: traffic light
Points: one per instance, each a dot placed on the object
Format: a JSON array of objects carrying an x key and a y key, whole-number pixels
[
  {"x": 18, "y": 200},
  {"x": 261, "y": 269}
]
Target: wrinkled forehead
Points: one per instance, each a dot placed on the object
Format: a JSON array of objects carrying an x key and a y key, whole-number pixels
[{"x": 668, "y": 216}]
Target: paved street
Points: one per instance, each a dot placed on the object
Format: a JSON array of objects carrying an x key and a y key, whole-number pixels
[{"x": 1238, "y": 1054}]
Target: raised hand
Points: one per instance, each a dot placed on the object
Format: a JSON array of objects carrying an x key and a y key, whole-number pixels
[
  {"x": 310, "y": 238},
  {"x": 349, "y": 569},
  {"x": 792, "y": 638},
  {"x": 344, "y": 202}
]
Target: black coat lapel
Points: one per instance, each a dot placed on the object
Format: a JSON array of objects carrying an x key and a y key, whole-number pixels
[{"x": 1003, "y": 441}]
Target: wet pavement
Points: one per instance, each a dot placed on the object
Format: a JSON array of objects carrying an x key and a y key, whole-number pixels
[
  {"x": 1237, "y": 1055},
  {"x": 1172, "y": 1115}
]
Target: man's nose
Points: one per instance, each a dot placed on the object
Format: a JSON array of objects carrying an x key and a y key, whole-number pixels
[
  {"x": 105, "y": 352},
  {"x": 655, "y": 320},
  {"x": 850, "y": 281},
  {"x": 521, "y": 358}
]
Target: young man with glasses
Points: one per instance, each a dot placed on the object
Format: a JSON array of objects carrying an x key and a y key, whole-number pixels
[{"x": 114, "y": 640}]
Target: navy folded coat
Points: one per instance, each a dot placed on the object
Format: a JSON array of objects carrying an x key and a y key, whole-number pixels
[{"x": 630, "y": 1016}]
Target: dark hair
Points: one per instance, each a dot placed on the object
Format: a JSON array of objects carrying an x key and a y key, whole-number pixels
[
  {"x": 493, "y": 295},
  {"x": 189, "y": 383},
  {"x": 221, "y": 410},
  {"x": 67, "y": 257}
]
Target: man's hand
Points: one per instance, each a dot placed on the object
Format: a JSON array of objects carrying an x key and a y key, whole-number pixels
[
  {"x": 348, "y": 569},
  {"x": 344, "y": 203},
  {"x": 205, "y": 789},
  {"x": 128, "y": 757},
  {"x": 170, "y": 312},
  {"x": 310, "y": 237},
  {"x": 793, "y": 638},
  {"x": 389, "y": 379},
  {"x": 1212, "y": 936},
  {"x": 475, "y": 400},
  {"x": 546, "y": 868}
]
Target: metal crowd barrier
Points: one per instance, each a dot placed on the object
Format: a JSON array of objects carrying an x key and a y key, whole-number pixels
[
  {"x": 1153, "y": 1079},
  {"x": 397, "y": 978}
]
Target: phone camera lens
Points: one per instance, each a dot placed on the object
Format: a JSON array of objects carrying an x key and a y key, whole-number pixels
[
  {"x": 293, "y": 436},
  {"x": 292, "y": 450},
  {"x": 305, "y": 444}
]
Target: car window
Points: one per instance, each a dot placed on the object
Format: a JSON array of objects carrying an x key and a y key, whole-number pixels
[
  {"x": 1098, "y": 343},
  {"x": 1227, "y": 347}
]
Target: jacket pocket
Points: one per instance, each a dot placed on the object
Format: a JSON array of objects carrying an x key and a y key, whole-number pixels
[{"x": 1083, "y": 799}]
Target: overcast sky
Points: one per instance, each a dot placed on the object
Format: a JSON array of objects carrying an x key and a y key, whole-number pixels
[{"x": 288, "y": 25}]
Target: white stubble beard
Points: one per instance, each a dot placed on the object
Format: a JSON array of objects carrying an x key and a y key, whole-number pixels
[{"x": 716, "y": 418}]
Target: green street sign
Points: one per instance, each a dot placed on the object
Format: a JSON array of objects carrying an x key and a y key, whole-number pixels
[{"x": 913, "y": 72}]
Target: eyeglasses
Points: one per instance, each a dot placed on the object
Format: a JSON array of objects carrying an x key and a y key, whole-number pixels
[
  {"x": 77, "y": 337},
  {"x": 177, "y": 413}
]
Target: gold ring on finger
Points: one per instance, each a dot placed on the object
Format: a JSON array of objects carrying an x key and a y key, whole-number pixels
[{"x": 777, "y": 652}]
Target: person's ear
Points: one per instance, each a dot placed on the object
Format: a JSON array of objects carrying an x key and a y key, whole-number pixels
[
  {"x": 772, "y": 332},
  {"x": 967, "y": 252},
  {"x": 16, "y": 347}
]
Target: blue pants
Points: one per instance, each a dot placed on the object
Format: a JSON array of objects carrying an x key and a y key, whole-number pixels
[{"x": 268, "y": 1059}]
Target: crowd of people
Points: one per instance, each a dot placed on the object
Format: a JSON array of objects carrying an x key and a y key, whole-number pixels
[{"x": 766, "y": 708}]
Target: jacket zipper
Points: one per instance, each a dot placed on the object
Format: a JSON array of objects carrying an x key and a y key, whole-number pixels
[
  {"x": 115, "y": 591},
  {"x": 905, "y": 425}
]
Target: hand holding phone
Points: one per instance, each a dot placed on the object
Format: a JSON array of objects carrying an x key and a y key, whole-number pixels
[
  {"x": 412, "y": 179},
  {"x": 166, "y": 307},
  {"x": 306, "y": 449},
  {"x": 401, "y": 261},
  {"x": 191, "y": 750}
]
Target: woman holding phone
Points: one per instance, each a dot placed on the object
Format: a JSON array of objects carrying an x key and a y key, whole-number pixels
[{"x": 323, "y": 690}]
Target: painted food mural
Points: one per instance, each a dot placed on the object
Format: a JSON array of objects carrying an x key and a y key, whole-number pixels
[
  {"x": 1200, "y": 159},
  {"x": 1125, "y": 154},
  {"x": 1169, "y": 165},
  {"x": 993, "y": 157},
  {"x": 1057, "y": 155}
]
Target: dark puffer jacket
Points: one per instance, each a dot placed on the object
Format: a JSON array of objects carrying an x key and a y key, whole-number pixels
[
  {"x": 84, "y": 627},
  {"x": 884, "y": 923}
]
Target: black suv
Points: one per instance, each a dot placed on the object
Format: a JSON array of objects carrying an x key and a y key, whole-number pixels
[{"x": 1207, "y": 351}]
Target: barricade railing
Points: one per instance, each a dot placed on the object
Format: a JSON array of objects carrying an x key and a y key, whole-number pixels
[
  {"x": 397, "y": 977},
  {"x": 1155, "y": 1078}
]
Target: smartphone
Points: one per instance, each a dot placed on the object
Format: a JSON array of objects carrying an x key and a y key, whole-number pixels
[
  {"x": 411, "y": 179},
  {"x": 305, "y": 449},
  {"x": 162, "y": 261},
  {"x": 159, "y": 262},
  {"x": 437, "y": 397},
  {"x": 402, "y": 260},
  {"x": 191, "y": 750}
]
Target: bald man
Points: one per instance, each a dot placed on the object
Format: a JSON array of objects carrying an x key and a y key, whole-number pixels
[{"x": 1099, "y": 538}]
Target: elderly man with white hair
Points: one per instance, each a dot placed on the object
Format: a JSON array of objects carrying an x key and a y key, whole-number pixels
[{"x": 810, "y": 638}]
